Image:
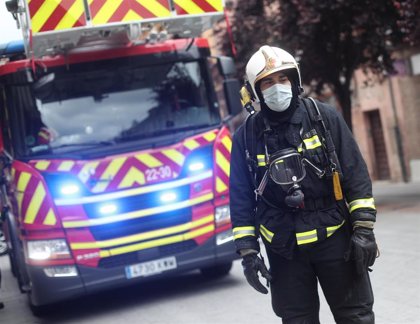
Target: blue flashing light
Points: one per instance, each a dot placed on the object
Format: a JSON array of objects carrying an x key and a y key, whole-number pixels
[
  {"x": 69, "y": 189},
  {"x": 12, "y": 48},
  {"x": 107, "y": 209},
  {"x": 168, "y": 197},
  {"x": 196, "y": 166}
]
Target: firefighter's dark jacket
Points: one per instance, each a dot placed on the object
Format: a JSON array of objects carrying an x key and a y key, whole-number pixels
[{"x": 282, "y": 228}]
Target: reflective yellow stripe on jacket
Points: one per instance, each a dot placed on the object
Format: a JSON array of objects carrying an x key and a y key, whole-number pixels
[
  {"x": 312, "y": 236},
  {"x": 302, "y": 237},
  {"x": 239, "y": 232},
  {"x": 306, "y": 237},
  {"x": 266, "y": 233},
  {"x": 261, "y": 159},
  {"x": 312, "y": 143},
  {"x": 362, "y": 203}
]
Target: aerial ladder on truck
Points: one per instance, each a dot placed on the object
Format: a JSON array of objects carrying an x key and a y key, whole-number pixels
[
  {"x": 50, "y": 27},
  {"x": 118, "y": 148}
]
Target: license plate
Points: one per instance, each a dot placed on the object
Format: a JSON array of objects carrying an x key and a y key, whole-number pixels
[{"x": 150, "y": 268}]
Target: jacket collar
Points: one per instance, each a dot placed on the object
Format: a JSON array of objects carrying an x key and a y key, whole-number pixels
[{"x": 296, "y": 119}]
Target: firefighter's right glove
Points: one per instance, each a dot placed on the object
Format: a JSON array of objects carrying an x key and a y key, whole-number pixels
[
  {"x": 253, "y": 264},
  {"x": 363, "y": 249}
]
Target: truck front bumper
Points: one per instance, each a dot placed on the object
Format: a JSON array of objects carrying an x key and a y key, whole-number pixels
[{"x": 47, "y": 290}]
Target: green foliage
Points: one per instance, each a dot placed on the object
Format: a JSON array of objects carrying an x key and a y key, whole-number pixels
[{"x": 330, "y": 38}]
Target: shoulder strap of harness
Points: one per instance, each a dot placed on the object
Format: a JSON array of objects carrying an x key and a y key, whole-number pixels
[
  {"x": 250, "y": 155},
  {"x": 316, "y": 116}
]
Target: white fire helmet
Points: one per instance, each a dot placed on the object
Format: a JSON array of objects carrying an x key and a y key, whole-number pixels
[{"x": 267, "y": 60}]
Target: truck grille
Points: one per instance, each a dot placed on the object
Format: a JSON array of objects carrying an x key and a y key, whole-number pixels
[
  {"x": 134, "y": 203},
  {"x": 141, "y": 224}
]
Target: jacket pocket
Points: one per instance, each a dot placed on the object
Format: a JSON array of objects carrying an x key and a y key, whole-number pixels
[
  {"x": 316, "y": 226},
  {"x": 277, "y": 232}
]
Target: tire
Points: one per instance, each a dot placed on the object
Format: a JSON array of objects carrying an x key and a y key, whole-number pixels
[
  {"x": 217, "y": 271},
  {"x": 12, "y": 264},
  {"x": 12, "y": 261},
  {"x": 41, "y": 310},
  {"x": 38, "y": 311},
  {"x": 17, "y": 259}
]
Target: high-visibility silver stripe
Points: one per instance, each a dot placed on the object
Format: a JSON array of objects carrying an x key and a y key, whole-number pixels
[
  {"x": 332, "y": 229},
  {"x": 313, "y": 142},
  {"x": 239, "y": 232},
  {"x": 306, "y": 237},
  {"x": 266, "y": 233},
  {"x": 362, "y": 203},
  {"x": 261, "y": 160},
  {"x": 243, "y": 228}
]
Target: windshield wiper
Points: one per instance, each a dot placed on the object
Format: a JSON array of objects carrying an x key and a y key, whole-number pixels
[
  {"x": 98, "y": 143},
  {"x": 49, "y": 148},
  {"x": 163, "y": 132}
]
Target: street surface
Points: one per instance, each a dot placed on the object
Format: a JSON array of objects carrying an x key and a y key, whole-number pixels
[{"x": 193, "y": 299}]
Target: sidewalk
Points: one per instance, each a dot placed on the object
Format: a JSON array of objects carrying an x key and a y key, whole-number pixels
[
  {"x": 396, "y": 195},
  {"x": 387, "y": 188},
  {"x": 396, "y": 275}
]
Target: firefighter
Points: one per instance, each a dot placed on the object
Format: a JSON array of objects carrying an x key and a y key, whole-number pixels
[{"x": 298, "y": 182}]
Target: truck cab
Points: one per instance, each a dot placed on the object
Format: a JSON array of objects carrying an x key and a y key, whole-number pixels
[{"x": 115, "y": 162}]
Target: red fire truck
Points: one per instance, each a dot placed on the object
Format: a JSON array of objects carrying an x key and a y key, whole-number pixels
[{"x": 114, "y": 145}]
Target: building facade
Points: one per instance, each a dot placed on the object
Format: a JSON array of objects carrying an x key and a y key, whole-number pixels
[{"x": 386, "y": 121}]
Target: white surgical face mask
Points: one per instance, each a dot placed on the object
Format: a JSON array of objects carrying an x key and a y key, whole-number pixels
[{"x": 278, "y": 97}]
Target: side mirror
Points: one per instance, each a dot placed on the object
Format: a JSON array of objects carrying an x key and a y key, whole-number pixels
[
  {"x": 226, "y": 66},
  {"x": 231, "y": 89},
  {"x": 12, "y": 6},
  {"x": 231, "y": 86}
]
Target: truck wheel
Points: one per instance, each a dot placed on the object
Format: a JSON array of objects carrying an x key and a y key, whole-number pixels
[
  {"x": 217, "y": 271},
  {"x": 12, "y": 263},
  {"x": 12, "y": 258},
  {"x": 38, "y": 311},
  {"x": 17, "y": 258}
]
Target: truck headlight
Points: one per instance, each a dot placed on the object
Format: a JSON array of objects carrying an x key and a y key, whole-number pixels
[
  {"x": 222, "y": 215},
  {"x": 48, "y": 250}
]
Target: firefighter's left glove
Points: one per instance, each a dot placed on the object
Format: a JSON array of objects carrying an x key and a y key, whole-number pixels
[
  {"x": 253, "y": 264},
  {"x": 363, "y": 249}
]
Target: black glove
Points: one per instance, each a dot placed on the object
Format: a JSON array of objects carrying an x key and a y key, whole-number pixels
[
  {"x": 252, "y": 264},
  {"x": 363, "y": 249}
]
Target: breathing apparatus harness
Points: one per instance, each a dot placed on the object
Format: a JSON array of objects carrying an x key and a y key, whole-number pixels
[
  {"x": 286, "y": 167},
  {"x": 333, "y": 170}
]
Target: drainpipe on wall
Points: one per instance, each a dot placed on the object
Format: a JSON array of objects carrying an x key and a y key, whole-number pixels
[{"x": 397, "y": 133}]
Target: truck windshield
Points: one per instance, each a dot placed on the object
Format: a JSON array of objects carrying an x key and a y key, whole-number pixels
[{"x": 106, "y": 107}]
